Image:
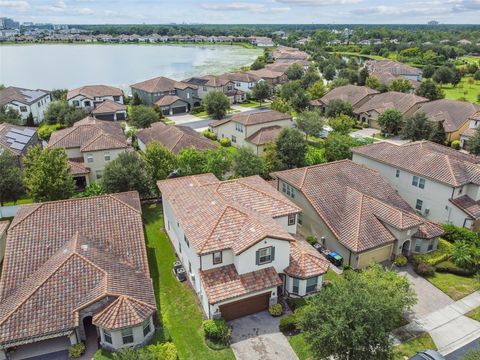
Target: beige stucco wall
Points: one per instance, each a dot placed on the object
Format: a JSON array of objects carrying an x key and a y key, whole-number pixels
[{"x": 99, "y": 161}]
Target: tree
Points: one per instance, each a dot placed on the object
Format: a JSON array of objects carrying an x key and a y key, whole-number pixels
[
  {"x": 466, "y": 254},
  {"x": 391, "y": 121},
  {"x": 11, "y": 186},
  {"x": 142, "y": 116},
  {"x": 136, "y": 100},
  {"x": 290, "y": 89},
  {"x": 160, "y": 161},
  {"x": 427, "y": 71},
  {"x": 317, "y": 89},
  {"x": 373, "y": 83},
  {"x": 428, "y": 89},
  {"x": 294, "y": 72},
  {"x": 310, "y": 122},
  {"x": 401, "y": 85},
  {"x": 443, "y": 75},
  {"x": 191, "y": 162},
  {"x": 341, "y": 124},
  {"x": 216, "y": 104},
  {"x": 93, "y": 189},
  {"x": 259, "y": 63},
  {"x": 473, "y": 145},
  {"x": 338, "y": 107},
  {"x": 300, "y": 101},
  {"x": 47, "y": 174},
  {"x": 261, "y": 91},
  {"x": 271, "y": 162},
  {"x": 60, "y": 112},
  {"x": 10, "y": 116},
  {"x": 351, "y": 75},
  {"x": 278, "y": 104},
  {"x": 476, "y": 76},
  {"x": 338, "y": 82},
  {"x": 291, "y": 148},
  {"x": 438, "y": 134},
  {"x": 217, "y": 162},
  {"x": 363, "y": 76},
  {"x": 30, "y": 122},
  {"x": 338, "y": 147},
  {"x": 246, "y": 163},
  {"x": 311, "y": 76},
  {"x": 127, "y": 172},
  {"x": 417, "y": 127},
  {"x": 59, "y": 94},
  {"x": 329, "y": 72},
  {"x": 359, "y": 326}
]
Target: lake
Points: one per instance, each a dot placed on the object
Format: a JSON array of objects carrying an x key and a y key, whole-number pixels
[{"x": 53, "y": 66}]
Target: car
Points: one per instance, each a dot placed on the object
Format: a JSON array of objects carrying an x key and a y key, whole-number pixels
[{"x": 427, "y": 355}]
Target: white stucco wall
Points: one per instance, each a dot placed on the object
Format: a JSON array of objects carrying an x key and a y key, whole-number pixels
[
  {"x": 227, "y": 258},
  {"x": 283, "y": 220},
  {"x": 82, "y": 100},
  {"x": 37, "y": 109},
  {"x": 302, "y": 285},
  {"x": 117, "y": 342}
]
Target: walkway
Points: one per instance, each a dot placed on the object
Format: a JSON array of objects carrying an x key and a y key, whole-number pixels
[{"x": 370, "y": 132}]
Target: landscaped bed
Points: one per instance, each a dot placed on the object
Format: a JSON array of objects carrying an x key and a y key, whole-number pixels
[
  {"x": 411, "y": 347},
  {"x": 474, "y": 314}
]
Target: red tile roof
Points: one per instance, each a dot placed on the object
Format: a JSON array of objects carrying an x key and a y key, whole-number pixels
[
  {"x": 160, "y": 84},
  {"x": 264, "y": 135},
  {"x": 468, "y": 205},
  {"x": 390, "y": 100},
  {"x": 305, "y": 260},
  {"x": 108, "y": 107},
  {"x": 77, "y": 167},
  {"x": 168, "y": 100},
  {"x": 255, "y": 118},
  {"x": 351, "y": 93}
]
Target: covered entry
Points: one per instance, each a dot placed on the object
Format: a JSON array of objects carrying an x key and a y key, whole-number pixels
[{"x": 245, "y": 307}]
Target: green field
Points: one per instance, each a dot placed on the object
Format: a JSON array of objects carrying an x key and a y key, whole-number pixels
[{"x": 466, "y": 89}]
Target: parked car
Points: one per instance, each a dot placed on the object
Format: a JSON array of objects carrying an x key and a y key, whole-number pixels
[{"x": 427, "y": 355}]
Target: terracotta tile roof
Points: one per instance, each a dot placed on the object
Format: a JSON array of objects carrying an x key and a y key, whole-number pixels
[
  {"x": 394, "y": 67},
  {"x": 160, "y": 84},
  {"x": 305, "y": 261},
  {"x": 427, "y": 159},
  {"x": 452, "y": 113},
  {"x": 254, "y": 118},
  {"x": 234, "y": 214},
  {"x": 108, "y": 107},
  {"x": 63, "y": 255},
  {"x": 25, "y": 96},
  {"x": 242, "y": 76},
  {"x": 390, "y": 100},
  {"x": 351, "y": 93},
  {"x": 90, "y": 134},
  {"x": 468, "y": 205},
  {"x": 267, "y": 74},
  {"x": 174, "y": 137},
  {"x": 3, "y": 226},
  {"x": 123, "y": 312},
  {"x": 168, "y": 100},
  {"x": 209, "y": 80},
  {"x": 264, "y": 135},
  {"x": 77, "y": 167},
  {"x": 355, "y": 203},
  {"x": 224, "y": 283},
  {"x": 93, "y": 91}
]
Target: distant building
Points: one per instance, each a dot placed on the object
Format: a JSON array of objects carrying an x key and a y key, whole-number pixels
[
  {"x": 7, "y": 23},
  {"x": 433, "y": 22}
]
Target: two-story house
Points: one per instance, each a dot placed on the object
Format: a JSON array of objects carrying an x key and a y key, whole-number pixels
[
  {"x": 252, "y": 129},
  {"x": 353, "y": 94},
  {"x": 26, "y": 102},
  {"x": 17, "y": 140},
  {"x": 173, "y": 97},
  {"x": 439, "y": 182},
  {"x": 237, "y": 242},
  {"x": 90, "y": 144},
  {"x": 394, "y": 68},
  {"x": 209, "y": 83},
  {"x": 353, "y": 211},
  {"x": 90, "y": 96},
  {"x": 272, "y": 77},
  {"x": 243, "y": 81},
  {"x": 469, "y": 132}
]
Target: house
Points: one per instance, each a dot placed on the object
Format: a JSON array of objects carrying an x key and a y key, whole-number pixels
[
  {"x": 90, "y": 96},
  {"x": 236, "y": 240},
  {"x": 209, "y": 83},
  {"x": 71, "y": 268},
  {"x": 441, "y": 183},
  {"x": 284, "y": 52},
  {"x": 355, "y": 95},
  {"x": 395, "y": 68},
  {"x": 353, "y": 211},
  {"x": 243, "y": 81},
  {"x": 455, "y": 115},
  {"x": 110, "y": 110},
  {"x": 17, "y": 140},
  {"x": 262, "y": 41},
  {"x": 470, "y": 131},
  {"x": 251, "y": 129},
  {"x": 369, "y": 111},
  {"x": 173, "y": 97},
  {"x": 173, "y": 137},
  {"x": 26, "y": 102},
  {"x": 3, "y": 238},
  {"x": 90, "y": 144},
  {"x": 273, "y": 78},
  {"x": 282, "y": 65}
]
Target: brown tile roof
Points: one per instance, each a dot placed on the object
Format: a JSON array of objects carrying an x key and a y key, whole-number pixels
[
  {"x": 351, "y": 93},
  {"x": 452, "y": 113},
  {"x": 209, "y": 80},
  {"x": 264, "y": 135},
  {"x": 77, "y": 167},
  {"x": 123, "y": 312},
  {"x": 390, "y": 100},
  {"x": 93, "y": 91},
  {"x": 25, "y": 96},
  {"x": 267, "y": 74},
  {"x": 174, "y": 137},
  {"x": 254, "y": 118},
  {"x": 224, "y": 283},
  {"x": 168, "y": 100},
  {"x": 468, "y": 205},
  {"x": 90, "y": 134},
  {"x": 355, "y": 203},
  {"x": 305, "y": 261},
  {"x": 64, "y": 255},
  {"x": 234, "y": 214},
  {"x": 108, "y": 107},
  {"x": 427, "y": 159},
  {"x": 242, "y": 76},
  {"x": 7, "y": 138},
  {"x": 394, "y": 67},
  {"x": 3, "y": 226},
  {"x": 161, "y": 83}
]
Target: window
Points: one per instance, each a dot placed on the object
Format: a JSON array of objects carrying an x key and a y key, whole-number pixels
[
  {"x": 418, "y": 245},
  {"x": 300, "y": 219},
  {"x": 107, "y": 336},
  {"x": 186, "y": 240},
  {"x": 188, "y": 95},
  {"x": 146, "y": 327},
  {"x": 419, "y": 205},
  {"x": 265, "y": 255},
  {"x": 116, "y": 98},
  {"x": 291, "y": 219},
  {"x": 87, "y": 103},
  {"x": 312, "y": 284},
  {"x": 127, "y": 336},
  {"x": 204, "y": 88},
  {"x": 217, "y": 257},
  {"x": 415, "y": 181},
  {"x": 179, "y": 247},
  {"x": 234, "y": 139},
  {"x": 23, "y": 108},
  {"x": 296, "y": 285},
  {"x": 189, "y": 267},
  {"x": 430, "y": 246},
  {"x": 238, "y": 83},
  {"x": 460, "y": 190},
  {"x": 98, "y": 174},
  {"x": 107, "y": 155},
  {"x": 418, "y": 182},
  {"x": 89, "y": 158},
  {"x": 239, "y": 127},
  {"x": 397, "y": 173},
  {"x": 289, "y": 190}
]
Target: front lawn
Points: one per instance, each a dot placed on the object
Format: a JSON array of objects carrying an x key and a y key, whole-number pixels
[
  {"x": 411, "y": 347},
  {"x": 298, "y": 344},
  {"x": 455, "y": 286},
  {"x": 253, "y": 103},
  {"x": 176, "y": 302},
  {"x": 474, "y": 314}
]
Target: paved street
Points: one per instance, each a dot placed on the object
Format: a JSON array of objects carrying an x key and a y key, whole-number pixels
[{"x": 458, "y": 354}]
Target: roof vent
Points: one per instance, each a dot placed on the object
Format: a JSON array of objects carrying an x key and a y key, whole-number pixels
[
  {"x": 84, "y": 247},
  {"x": 252, "y": 229},
  {"x": 191, "y": 184}
]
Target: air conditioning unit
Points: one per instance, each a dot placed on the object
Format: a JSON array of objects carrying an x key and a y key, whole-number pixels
[{"x": 427, "y": 211}]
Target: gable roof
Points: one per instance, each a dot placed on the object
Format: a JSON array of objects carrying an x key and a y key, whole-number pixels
[
  {"x": 264, "y": 135},
  {"x": 94, "y": 91},
  {"x": 267, "y": 73},
  {"x": 174, "y": 137},
  {"x": 351, "y": 93},
  {"x": 390, "y": 100},
  {"x": 242, "y": 76},
  {"x": 233, "y": 214},
  {"x": 169, "y": 100},
  {"x": 82, "y": 256},
  {"x": 356, "y": 204},
  {"x": 160, "y": 84},
  {"x": 108, "y": 107},
  {"x": 427, "y": 159},
  {"x": 25, "y": 96},
  {"x": 253, "y": 118},
  {"x": 209, "y": 80}
]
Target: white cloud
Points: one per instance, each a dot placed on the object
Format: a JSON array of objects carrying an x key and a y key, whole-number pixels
[
  {"x": 85, "y": 11},
  {"x": 280, "y": 9},
  {"x": 235, "y": 6},
  {"x": 318, "y": 2},
  {"x": 15, "y": 4}
]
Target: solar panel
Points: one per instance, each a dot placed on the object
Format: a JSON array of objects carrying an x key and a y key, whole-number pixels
[
  {"x": 26, "y": 132},
  {"x": 17, "y": 146},
  {"x": 18, "y": 138}
]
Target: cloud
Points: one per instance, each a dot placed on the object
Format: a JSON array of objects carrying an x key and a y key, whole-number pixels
[
  {"x": 280, "y": 9},
  {"x": 318, "y": 2},
  {"x": 15, "y": 4},
  {"x": 467, "y": 5},
  {"x": 85, "y": 11},
  {"x": 235, "y": 6},
  {"x": 56, "y": 7}
]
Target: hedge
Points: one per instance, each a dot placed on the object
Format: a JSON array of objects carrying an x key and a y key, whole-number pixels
[
  {"x": 275, "y": 310},
  {"x": 443, "y": 253},
  {"x": 217, "y": 330},
  {"x": 454, "y": 233}
]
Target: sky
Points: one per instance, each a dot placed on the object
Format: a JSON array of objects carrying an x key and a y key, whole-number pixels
[{"x": 243, "y": 11}]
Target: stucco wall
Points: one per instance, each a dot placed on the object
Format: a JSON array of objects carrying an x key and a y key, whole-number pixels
[
  {"x": 138, "y": 338},
  {"x": 302, "y": 285},
  {"x": 99, "y": 161},
  {"x": 37, "y": 109}
]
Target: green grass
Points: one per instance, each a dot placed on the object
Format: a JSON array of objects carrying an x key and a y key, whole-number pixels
[
  {"x": 230, "y": 149},
  {"x": 474, "y": 314},
  {"x": 22, "y": 201},
  {"x": 348, "y": 53},
  {"x": 463, "y": 90},
  {"x": 298, "y": 344},
  {"x": 331, "y": 276},
  {"x": 177, "y": 304},
  {"x": 411, "y": 347},
  {"x": 253, "y": 103},
  {"x": 471, "y": 59},
  {"x": 455, "y": 286}
]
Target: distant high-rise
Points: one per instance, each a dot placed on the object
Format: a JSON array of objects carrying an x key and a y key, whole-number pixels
[
  {"x": 433, "y": 22},
  {"x": 7, "y": 23}
]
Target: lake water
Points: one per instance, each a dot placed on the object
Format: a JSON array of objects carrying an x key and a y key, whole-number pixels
[{"x": 51, "y": 66}]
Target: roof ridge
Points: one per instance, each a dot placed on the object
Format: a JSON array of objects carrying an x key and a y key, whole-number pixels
[
  {"x": 215, "y": 226},
  {"x": 27, "y": 206},
  {"x": 72, "y": 129},
  {"x": 123, "y": 202},
  {"x": 450, "y": 169}
]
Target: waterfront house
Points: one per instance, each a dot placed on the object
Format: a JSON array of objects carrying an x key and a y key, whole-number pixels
[
  {"x": 26, "y": 102},
  {"x": 209, "y": 83},
  {"x": 90, "y": 97}
]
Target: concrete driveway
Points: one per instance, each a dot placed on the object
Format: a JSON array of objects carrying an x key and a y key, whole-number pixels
[{"x": 256, "y": 337}]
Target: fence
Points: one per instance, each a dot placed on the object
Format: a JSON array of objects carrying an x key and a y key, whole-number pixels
[{"x": 8, "y": 211}]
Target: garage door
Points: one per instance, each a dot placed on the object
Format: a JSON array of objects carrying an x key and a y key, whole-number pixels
[
  {"x": 245, "y": 307},
  {"x": 179, "y": 109},
  {"x": 376, "y": 255}
]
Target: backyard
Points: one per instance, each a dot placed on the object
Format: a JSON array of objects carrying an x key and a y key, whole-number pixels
[{"x": 467, "y": 88}]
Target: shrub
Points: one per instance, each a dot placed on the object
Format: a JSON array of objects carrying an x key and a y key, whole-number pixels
[
  {"x": 424, "y": 269},
  {"x": 400, "y": 260},
  {"x": 45, "y": 130},
  {"x": 198, "y": 109},
  {"x": 164, "y": 351},
  {"x": 288, "y": 323},
  {"x": 443, "y": 252},
  {"x": 455, "y": 145},
  {"x": 226, "y": 142},
  {"x": 450, "y": 267},
  {"x": 217, "y": 330},
  {"x": 275, "y": 310},
  {"x": 454, "y": 233},
  {"x": 295, "y": 303},
  {"x": 209, "y": 134},
  {"x": 312, "y": 240},
  {"x": 77, "y": 350}
]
